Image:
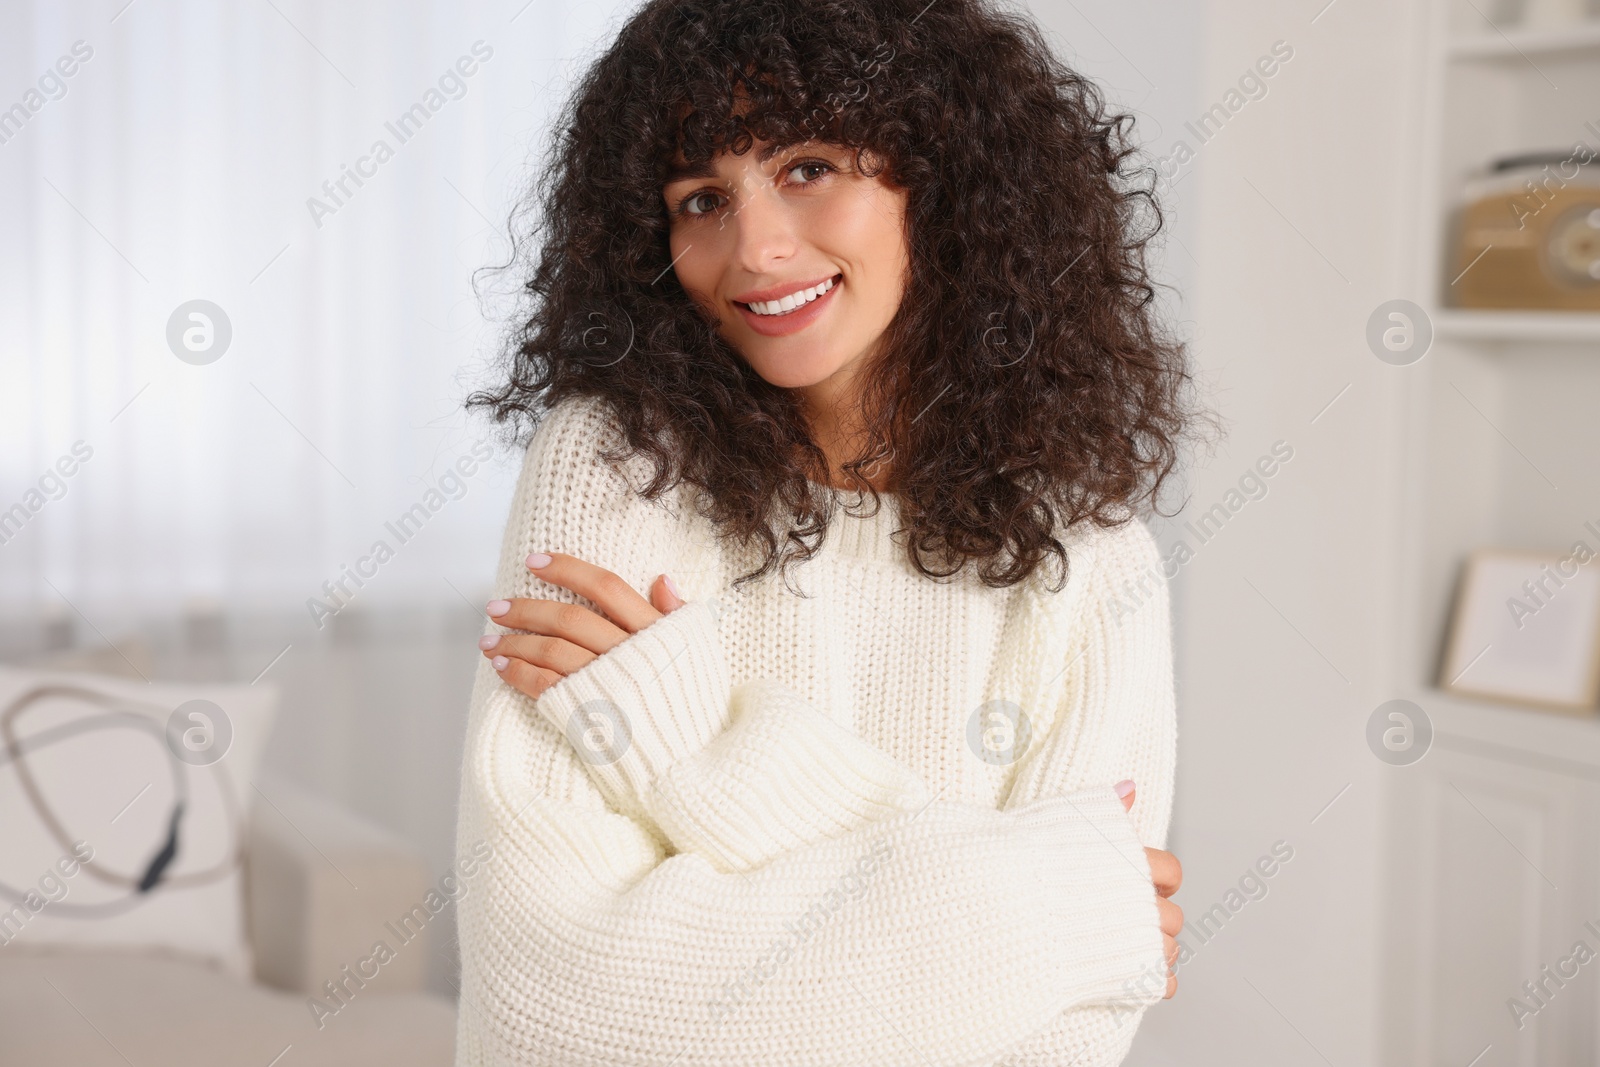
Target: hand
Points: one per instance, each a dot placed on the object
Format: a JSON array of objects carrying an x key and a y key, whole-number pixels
[
  {"x": 1167, "y": 873},
  {"x": 560, "y": 637}
]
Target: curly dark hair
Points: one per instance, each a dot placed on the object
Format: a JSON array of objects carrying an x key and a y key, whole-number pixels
[{"x": 1024, "y": 384}]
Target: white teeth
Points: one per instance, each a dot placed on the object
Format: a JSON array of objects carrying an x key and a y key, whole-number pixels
[{"x": 792, "y": 301}]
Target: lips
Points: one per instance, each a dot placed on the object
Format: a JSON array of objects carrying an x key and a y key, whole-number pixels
[
  {"x": 778, "y": 292},
  {"x": 796, "y": 319}
]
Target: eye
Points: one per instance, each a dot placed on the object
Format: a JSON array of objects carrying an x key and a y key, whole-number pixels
[
  {"x": 806, "y": 164},
  {"x": 687, "y": 207}
]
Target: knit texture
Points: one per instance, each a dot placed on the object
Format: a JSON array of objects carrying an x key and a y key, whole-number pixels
[{"x": 868, "y": 821}]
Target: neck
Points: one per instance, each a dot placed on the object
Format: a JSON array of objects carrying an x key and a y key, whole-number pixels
[{"x": 838, "y": 432}]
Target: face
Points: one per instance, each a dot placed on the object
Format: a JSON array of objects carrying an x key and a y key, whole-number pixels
[{"x": 751, "y": 238}]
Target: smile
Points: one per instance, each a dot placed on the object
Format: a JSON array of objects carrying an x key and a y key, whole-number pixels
[{"x": 792, "y": 312}]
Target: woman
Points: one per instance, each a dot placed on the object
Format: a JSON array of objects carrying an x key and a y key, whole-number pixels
[{"x": 854, "y": 783}]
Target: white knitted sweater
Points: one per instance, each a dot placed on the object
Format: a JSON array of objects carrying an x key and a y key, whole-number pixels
[{"x": 872, "y": 825}]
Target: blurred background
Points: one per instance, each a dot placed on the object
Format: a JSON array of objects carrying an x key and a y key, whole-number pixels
[{"x": 235, "y": 473}]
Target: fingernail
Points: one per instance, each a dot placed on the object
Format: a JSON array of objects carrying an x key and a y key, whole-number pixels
[
  {"x": 538, "y": 559},
  {"x": 498, "y": 607},
  {"x": 672, "y": 586},
  {"x": 1124, "y": 787},
  {"x": 488, "y": 641},
  {"x": 500, "y": 663}
]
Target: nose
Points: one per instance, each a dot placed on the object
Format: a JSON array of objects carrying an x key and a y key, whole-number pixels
[{"x": 764, "y": 232}]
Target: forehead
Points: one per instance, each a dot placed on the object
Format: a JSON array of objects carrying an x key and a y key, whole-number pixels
[{"x": 677, "y": 168}]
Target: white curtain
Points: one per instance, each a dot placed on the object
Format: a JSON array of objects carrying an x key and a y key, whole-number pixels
[{"x": 154, "y": 154}]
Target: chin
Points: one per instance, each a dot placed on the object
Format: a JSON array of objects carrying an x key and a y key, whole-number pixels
[{"x": 793, "y": 373}]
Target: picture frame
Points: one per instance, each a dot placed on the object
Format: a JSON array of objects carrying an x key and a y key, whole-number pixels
[{"x": 1525, "y": 629}]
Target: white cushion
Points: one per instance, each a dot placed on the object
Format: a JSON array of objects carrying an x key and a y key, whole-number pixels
[{"x": 108, "y": 760}]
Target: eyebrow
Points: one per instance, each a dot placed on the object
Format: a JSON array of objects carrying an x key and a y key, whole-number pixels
[{"x": 677, "y": 172}]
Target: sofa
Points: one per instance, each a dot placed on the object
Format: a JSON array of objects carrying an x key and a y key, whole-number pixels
[{"x": 319, "y": 881}]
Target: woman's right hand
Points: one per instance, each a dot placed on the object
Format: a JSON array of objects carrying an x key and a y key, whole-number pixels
[{"x": 1167, "y": 873}]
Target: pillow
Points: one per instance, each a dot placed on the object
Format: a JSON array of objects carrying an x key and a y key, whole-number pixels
[{"x": 122, "y": 805}]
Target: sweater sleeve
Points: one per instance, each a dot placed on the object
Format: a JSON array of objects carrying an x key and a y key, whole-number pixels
[
  {"x": 740, "y": 775},
  {"x": 1118, "y": 720},
  {"x": 585, "y": 941}
]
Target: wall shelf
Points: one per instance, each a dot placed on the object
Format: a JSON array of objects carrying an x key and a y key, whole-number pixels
[
  {"x": 1528, "y": 326},
  {"x": 1518, "y": 45}
]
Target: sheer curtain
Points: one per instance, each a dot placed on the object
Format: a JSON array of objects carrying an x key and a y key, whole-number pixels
[{"x": 237, "y": 321}]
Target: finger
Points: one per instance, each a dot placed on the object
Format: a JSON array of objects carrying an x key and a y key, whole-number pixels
[
  {"x": 552, "y": 653},
  {"x": 664, "y": 594},
  {"x": 607, "y": 591},
  {"x": 1165, "y": 871},
  {"x": 571, "y": 622},
  {"x": 1172, "y": 986},
  {"x": 1171, "y": 916},
  {"x": 1171, "y": 945},
  {"x": 524, "y": 677},
  {"x": 1127, "y": 797}
]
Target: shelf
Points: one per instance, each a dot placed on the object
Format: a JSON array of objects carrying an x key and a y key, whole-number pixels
[
  {"x": 1463, "y": 325},
  {"x": 1559, "y": 740},
  {"x": 1524, "y": 44}
]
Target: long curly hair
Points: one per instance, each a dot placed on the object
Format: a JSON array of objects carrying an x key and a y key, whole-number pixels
[{"x": 1024, "y": 385}]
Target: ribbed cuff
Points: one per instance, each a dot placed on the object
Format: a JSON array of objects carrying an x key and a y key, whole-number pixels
[
  {"x": 655, "y": 699},
  {"x": 783, "y": 776},
  {"x": 1092, "y": 863}
]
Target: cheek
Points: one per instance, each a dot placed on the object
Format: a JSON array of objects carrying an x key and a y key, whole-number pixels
[
  {"x": 874, "y": 240},
  {"x": 696, "y": 264}
]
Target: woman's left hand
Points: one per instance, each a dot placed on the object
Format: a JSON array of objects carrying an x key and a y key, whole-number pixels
[{"x": 560, "y": 637}]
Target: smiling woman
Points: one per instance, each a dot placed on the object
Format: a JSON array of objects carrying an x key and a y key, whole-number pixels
[{"x": 692, "y": 763}]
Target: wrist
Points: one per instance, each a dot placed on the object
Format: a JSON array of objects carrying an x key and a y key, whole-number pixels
[{"x": 650, "y": 701}]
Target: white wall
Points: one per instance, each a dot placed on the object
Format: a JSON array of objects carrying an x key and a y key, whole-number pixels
[{"x": 1285, "y": 617}]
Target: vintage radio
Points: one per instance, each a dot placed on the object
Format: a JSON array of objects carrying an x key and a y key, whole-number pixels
[{"x": 1528, "y": 234}]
